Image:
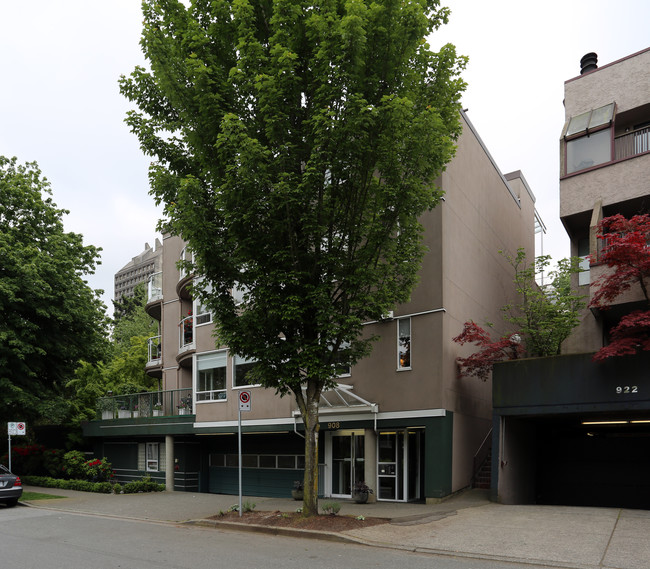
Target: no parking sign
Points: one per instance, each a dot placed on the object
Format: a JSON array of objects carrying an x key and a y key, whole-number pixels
[{"x": 244, "y": 400}]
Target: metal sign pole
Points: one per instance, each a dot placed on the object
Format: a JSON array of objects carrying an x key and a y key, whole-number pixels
[
  {"x": 9, "y": 453},
  {"x": 239, "y": 437}
]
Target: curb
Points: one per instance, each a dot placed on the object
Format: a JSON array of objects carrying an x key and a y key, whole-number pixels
[{"x": 270, "y": 530}]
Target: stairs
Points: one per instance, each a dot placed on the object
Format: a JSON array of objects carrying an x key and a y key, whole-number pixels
[{"x": 483, "y": 476}]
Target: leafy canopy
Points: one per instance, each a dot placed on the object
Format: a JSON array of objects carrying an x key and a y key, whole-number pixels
[
  {"x": 297, "y": 143},
  {"x": 543, "y": 317},
  {"x": 625, "y": 251},
  {"x": 50, "y": 318}
]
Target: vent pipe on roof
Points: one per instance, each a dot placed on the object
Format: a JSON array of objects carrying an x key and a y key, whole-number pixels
[{"x": 589, "y": 62}]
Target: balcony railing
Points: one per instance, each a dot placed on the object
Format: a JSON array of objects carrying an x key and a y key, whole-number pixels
[
  {"x": 632, "y": 143},
  {"x": 186, "y": 332},
  {"x": 168, "y": 403},
  {"x": 154, "y": 350},
  {"x": 154, "y": 287}
]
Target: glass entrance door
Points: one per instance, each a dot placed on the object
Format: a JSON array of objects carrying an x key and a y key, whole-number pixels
[
  {"x": 347, "y": 461},
  {"x": 398, "y": 465}
]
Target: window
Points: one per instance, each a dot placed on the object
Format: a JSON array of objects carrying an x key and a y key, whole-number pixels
[
  {"x": 240, "y": 375},
  {"x": 341, "y": 363},
  {"x": 589, "y": 139},
  {"x": 152, "y": 456},
  {"x": 203, "y": 314},
  {"x": 404, "y": 343},
  {"x": 583, "y": 253},
  {"x": 211, "y": 377}
]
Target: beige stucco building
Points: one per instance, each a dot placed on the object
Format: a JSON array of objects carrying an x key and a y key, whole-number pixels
[
  {"x": 401, "y": 420},
  {"x": 569, "y": 430}
]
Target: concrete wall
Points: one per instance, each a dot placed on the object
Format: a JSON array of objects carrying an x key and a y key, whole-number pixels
[{"x": 624, "y": 81}]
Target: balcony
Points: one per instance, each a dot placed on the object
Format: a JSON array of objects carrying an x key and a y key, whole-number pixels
[
  {"x": 168, "y": 403},
  {"x": 632, "y": 143},
  {"x": 154, "y": 356},
  {"x": 184, "y": 275},
  {"x": 154, "y": 295}
]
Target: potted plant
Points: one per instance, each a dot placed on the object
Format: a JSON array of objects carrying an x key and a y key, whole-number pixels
[
  {"x": 360, "y": 492},
  {"x": 136, "y": 413},
  {"x": 157, "y": 409},
  {"x": 182, "y": 408},
  {"x": 298, "y": 490},
  {"x": 123, "y": 412}
]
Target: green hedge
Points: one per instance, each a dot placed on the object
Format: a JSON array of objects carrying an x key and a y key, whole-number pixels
[
  {"x": 80, "y": 485},
  {"x": 144, "y": 485}
]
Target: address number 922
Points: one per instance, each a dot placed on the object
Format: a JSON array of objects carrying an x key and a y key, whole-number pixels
[{"x": 627, "y": 389}]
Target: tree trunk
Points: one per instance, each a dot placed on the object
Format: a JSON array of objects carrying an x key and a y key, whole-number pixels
[{"x": 308, "y": 406}]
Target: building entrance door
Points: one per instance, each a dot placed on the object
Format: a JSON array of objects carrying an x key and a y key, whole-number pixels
[
  {"x": 347, "y": 460},
  {"x": 398, "y": 465}
]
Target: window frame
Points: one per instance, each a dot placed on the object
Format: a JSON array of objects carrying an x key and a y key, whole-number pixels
[
  {"x": 400, "y": 351},
  {"x": 211, "y": 395},
  {"x": 151, "y": 462},
  {"x": 244, "y": 361}
]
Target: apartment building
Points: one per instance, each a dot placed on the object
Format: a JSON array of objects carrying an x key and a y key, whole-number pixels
[
  {"x": 568, "y": 430},
  {"x": 400, "y": 420},
  {"x": 137, "y": 270}
]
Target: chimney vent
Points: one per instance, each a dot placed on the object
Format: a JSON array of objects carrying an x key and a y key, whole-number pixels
[{"x": 589, "y": 62}]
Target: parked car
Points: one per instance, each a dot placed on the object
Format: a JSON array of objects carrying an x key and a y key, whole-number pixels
[{"x": 11, "y": 488}]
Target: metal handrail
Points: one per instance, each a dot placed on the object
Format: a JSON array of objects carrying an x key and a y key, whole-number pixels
[{"x": 167, "y": 403}]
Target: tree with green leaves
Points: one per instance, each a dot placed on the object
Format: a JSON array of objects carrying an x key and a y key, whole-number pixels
[
  {"x": 297, "y": 143},
  {"x": 50, "y": 318},
  {"x": 543, "y": 316}
]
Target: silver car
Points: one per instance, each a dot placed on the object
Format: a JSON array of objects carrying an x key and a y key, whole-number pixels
[{"x": 11, "y": 488}]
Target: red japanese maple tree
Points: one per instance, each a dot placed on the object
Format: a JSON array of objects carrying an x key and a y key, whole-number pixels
[
  {"x": 480, "y": 363},
  {"x": 625, "y": 249}
]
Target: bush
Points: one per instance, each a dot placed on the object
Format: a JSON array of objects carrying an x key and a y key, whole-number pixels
[
  {"x": 26, "y": 459},
  {"x": 144, "y": 485},
  {"x": 79, "y": 485},
  {"x": 331, "y": 508},
  {"x": 94, "y": 470}
]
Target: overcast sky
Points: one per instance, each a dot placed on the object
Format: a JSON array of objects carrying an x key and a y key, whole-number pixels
[{"x": 60, "y": 105}]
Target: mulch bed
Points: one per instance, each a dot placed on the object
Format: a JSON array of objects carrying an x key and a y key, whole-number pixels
[{"x": 296, "y": 520}]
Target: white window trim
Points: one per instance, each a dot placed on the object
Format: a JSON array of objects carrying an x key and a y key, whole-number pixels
[
  {"x": 195, "y": 380},
  {"x": 150, "y": 462},
  {"x": 234, "y": 374}
]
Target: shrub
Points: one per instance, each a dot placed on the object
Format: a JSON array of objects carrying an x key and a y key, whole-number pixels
[
  {"x": 93, "y": 470},
  {"x": 331, "y": 508},
  {"x": 144, "y": 485},
  {"x": 79, "y": 485}
]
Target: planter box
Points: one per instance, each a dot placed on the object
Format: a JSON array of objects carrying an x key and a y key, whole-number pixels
[
  {"x": 107, "y": 415},
  {"x": 123, "y": 414},
  {"x": 136, "y": 414},
  {"x": 183, "y": 411},
  {"x": 157, "y": 412}
]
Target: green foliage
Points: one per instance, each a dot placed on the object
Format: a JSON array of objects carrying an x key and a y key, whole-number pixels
[
  {"x": 296, "y": 147},
  {"x": 50, "y": 318},
  {"x": 331, "y": 508},
  {"x": 80, "y": 485},
  {"x": 544, "y": 316},
  {"x": 144, "y": 485},
  {"x": 117, "y": 488},
  {"x": 123, "y": 368},
  {"x": 94, "y": 470}
]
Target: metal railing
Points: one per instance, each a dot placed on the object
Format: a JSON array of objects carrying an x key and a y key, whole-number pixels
[
  {"x": 154, "y": 350},
  {"x": 167, "y": 403},
  {"x": 154, "y": 287},
  {"x": 632, "y": 143},
  {"x": 186, "y": 332}
]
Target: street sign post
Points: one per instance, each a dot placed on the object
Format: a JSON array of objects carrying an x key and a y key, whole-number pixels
[
  {"x": 15, "y": 429},
  {"x": 244, "y": 405}
]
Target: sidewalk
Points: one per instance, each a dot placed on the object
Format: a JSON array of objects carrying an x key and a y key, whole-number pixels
[{"x": 467, "y": 525}]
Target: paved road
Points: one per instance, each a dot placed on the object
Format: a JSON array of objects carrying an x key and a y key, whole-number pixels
[
  {"x": 467, "y": 525},
  {"x": 35, "y": 538}
]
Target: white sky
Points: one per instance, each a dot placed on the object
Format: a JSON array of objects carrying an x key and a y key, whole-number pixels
[{"x": 60, "y": 105}]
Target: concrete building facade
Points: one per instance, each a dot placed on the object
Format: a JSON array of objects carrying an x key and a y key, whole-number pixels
[{"x": 138, "y": 270}]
